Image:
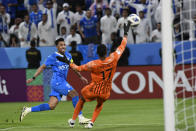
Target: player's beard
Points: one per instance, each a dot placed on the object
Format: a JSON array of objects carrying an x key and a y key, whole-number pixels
[{"x": 62, "y": 51}]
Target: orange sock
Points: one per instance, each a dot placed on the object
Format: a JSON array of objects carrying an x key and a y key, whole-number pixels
[
  {"x": 96, "y": 112},
  {"x": 77, "y": 109}
]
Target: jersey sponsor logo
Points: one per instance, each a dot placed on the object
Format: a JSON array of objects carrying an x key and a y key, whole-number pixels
[
  {"x": 151, "y": 78},
  {"x": 63, "y": 67},
  {"x": 3, "y": 87},
  {"x": 143, "y": 82}
]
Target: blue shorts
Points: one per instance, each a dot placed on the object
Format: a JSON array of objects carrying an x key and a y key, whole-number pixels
[{"x": 60, "y": 88}]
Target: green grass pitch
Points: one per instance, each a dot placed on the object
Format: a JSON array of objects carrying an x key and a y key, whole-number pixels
[{"x": 117, "y": 115}]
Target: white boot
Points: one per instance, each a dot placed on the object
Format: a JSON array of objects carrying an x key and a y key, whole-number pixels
[
  {"x": 71, "y": 123},
  {"x": 25, "y": 111},
  {"x": 83, "y": 120},
  {"x": 89, "y": 125}
]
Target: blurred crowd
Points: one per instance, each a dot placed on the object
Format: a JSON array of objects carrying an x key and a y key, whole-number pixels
[{"x": 90, "y": 21}]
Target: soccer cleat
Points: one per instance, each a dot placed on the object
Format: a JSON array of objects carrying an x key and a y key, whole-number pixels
[
  {"x": 24, "y": 112},
  {"x": 89, "y": 125},
  {"x": 83, "y": 120},
  {"x": 71, "y": 123}
]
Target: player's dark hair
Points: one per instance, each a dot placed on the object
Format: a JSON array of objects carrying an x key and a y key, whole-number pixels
[
  {"x": 126, "y": 9},
  {"x": 73, "y": 28},
  {"x": 2, "y": 6},
  {"x": 101, "y": 50},
  {"x": 63, "y": 27},
  {"x": 108, "y": 9},
  {"x": 58, "y": 40},
  {"x": 26, "y": 14},
  {"x": 33, "y": 43},
  {"x": 35, "y": 5},
  {"x": 49, "y": 2},
  {"x": 73, "y": 44}
]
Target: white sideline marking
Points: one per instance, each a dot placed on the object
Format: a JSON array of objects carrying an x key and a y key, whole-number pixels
[
  {"x": 5, "y": 129},
  {"x": 130, "y": 124},
  {"x": 10, "y": 128}
]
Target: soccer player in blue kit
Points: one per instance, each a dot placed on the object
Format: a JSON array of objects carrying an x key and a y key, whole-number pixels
[{"x": 59, "y": 85}]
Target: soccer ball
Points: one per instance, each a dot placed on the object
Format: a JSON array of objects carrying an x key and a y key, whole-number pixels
[{"x": 134, "y": 19}]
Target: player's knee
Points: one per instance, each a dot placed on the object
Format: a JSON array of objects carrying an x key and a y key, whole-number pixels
[
  {"x": 82, "y": 98},
  {"x": 99, "y": 105},
  {"x": 73, "y": 93}
]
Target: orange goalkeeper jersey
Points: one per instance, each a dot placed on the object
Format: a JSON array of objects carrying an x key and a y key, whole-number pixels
[{"x": 102, "y": 71}]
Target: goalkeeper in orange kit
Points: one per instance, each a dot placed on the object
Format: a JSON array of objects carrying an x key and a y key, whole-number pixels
[{"x": 102, "y": 72}]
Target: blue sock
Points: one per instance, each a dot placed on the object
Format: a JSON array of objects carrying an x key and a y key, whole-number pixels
[
  {"x": 41, "y": 107},
  {"x": 75, "y": 101}
]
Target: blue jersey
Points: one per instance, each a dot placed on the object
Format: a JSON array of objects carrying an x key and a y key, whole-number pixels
[
  {"x": 4, "y": 3},
  {"x": 12, "y": 10},
  {"x": 89, "y": 26},
  {"x": 32, "y": 2},
  {"x": 36, "y": 17},
  {"x": 60, "y": 69}
]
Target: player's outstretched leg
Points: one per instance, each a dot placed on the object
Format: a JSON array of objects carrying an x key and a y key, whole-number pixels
[
  {"x": 77, "y": 110},
  {"x": 75, "y": 100},
  {"x": 27, "y": 110},
  {"x": 53, "y": 101},
  {"x": 24, "y": 112},
  {"x": 96, "y": 112}
]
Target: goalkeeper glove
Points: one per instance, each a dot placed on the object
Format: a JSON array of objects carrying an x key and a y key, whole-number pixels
[
  {"x": 63, "y": 59},
  {"x": 126, "y": 28}
]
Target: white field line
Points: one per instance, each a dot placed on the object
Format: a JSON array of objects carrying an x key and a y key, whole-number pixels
[
  {"x": 5, "y": 129},
  {"x": 150, "y": 124},
  {"x": 28, "y": 127},
  {"x": 62, "y": 112}
]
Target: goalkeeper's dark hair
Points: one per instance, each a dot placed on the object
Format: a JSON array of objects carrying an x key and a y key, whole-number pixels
[
  {"x": 101, "y": 50},
  {"x": 58, "y": 40}
]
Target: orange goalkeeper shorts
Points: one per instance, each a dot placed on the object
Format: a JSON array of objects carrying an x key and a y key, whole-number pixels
[{"x": 92, "y": 92}]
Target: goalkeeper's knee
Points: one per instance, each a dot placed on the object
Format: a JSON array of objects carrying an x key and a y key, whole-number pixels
[{"x": 82, "y": 98}]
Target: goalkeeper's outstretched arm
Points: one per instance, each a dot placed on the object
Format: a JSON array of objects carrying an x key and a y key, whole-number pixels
[{"x": 123, "y": 44}]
